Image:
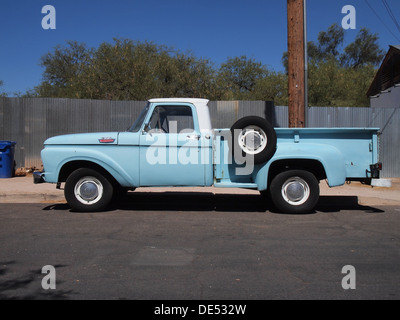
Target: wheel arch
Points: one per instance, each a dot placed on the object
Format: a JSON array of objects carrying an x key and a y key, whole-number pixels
[
  {"x": 311, "y": 165},
  {"x": 73, "y": 165}
]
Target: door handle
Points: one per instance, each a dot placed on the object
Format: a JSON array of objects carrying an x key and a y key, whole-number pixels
[{"x": 193, "y": 137}]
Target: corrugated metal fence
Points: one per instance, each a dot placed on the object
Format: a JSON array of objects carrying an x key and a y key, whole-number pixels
[{"x": 30, "y": 121}]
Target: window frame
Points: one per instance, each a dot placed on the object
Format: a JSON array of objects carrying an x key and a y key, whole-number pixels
[{"x": 152, "y": 109}]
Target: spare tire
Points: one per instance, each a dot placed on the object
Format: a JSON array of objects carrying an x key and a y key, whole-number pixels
[{"x": 254, "y": 136}]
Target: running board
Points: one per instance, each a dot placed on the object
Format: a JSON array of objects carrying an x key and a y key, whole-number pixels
[{"x": 235, "y": 185}]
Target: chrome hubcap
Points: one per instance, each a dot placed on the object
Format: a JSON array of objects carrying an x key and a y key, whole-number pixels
[
  {"x": 295, "y": 191},
  {"x": 252, "y": 140},
  {"x": 88, "y": 190}
]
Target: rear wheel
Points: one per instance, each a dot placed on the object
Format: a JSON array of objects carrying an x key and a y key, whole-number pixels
[
  {"x": 295, "y": 191},
  {"x": 87, "y": 190}
]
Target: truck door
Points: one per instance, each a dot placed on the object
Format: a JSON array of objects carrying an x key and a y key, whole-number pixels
[{"x": 170, "y": 147}]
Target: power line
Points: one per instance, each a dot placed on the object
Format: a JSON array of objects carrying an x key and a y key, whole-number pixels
[
  {"x": 392, "y": 16},
  {"x": 381, "y": 20}
]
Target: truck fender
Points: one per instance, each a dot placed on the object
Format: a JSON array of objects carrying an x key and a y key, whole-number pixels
[
  {"x": 104, "y": 161},
  {"x": 331, "y": 159}
]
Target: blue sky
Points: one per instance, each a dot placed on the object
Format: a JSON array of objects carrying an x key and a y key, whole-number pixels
[{"x": 213, "y": 29}]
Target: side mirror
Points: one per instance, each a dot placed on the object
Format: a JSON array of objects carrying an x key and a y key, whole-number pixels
[{"x": 146, "y": 128}]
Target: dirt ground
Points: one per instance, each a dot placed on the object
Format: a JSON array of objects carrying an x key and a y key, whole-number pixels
[{"x": 367, "y": 195}]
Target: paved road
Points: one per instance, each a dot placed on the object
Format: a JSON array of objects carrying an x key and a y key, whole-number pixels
[{"x": 200, "y": 246}]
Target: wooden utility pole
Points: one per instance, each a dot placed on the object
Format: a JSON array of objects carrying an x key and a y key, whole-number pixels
[{"x": 296, "y": 63}]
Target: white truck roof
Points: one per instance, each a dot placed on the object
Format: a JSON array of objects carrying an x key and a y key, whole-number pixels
[
  {"x": 189, "y": 100},
  {"x": 201, "y": 106}
]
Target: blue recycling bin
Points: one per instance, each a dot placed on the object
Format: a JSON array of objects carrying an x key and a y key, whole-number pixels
[{"x": 7, "y": 149}]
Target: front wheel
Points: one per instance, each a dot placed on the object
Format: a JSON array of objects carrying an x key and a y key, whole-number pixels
[
  {"x": 295, "y": 191},
  {"x": 87, "y": 190}
]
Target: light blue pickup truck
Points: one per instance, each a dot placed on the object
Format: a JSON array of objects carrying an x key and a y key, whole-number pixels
[{"x": 172, "y": 143}]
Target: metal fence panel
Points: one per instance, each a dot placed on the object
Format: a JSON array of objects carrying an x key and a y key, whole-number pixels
[{"x": 30, "y": 121}]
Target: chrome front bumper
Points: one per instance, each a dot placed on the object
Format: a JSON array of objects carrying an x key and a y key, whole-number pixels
[{"x": 38, "y": 177}]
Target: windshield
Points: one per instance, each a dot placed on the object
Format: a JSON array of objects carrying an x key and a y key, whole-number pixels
[{"x": 139, "y": 121}]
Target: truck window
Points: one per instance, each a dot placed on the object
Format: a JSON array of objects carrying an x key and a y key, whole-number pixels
[{"x": 172, "y": 119}]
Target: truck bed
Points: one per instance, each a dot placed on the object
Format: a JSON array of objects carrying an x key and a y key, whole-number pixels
[{"x": 344, "y": 153}]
